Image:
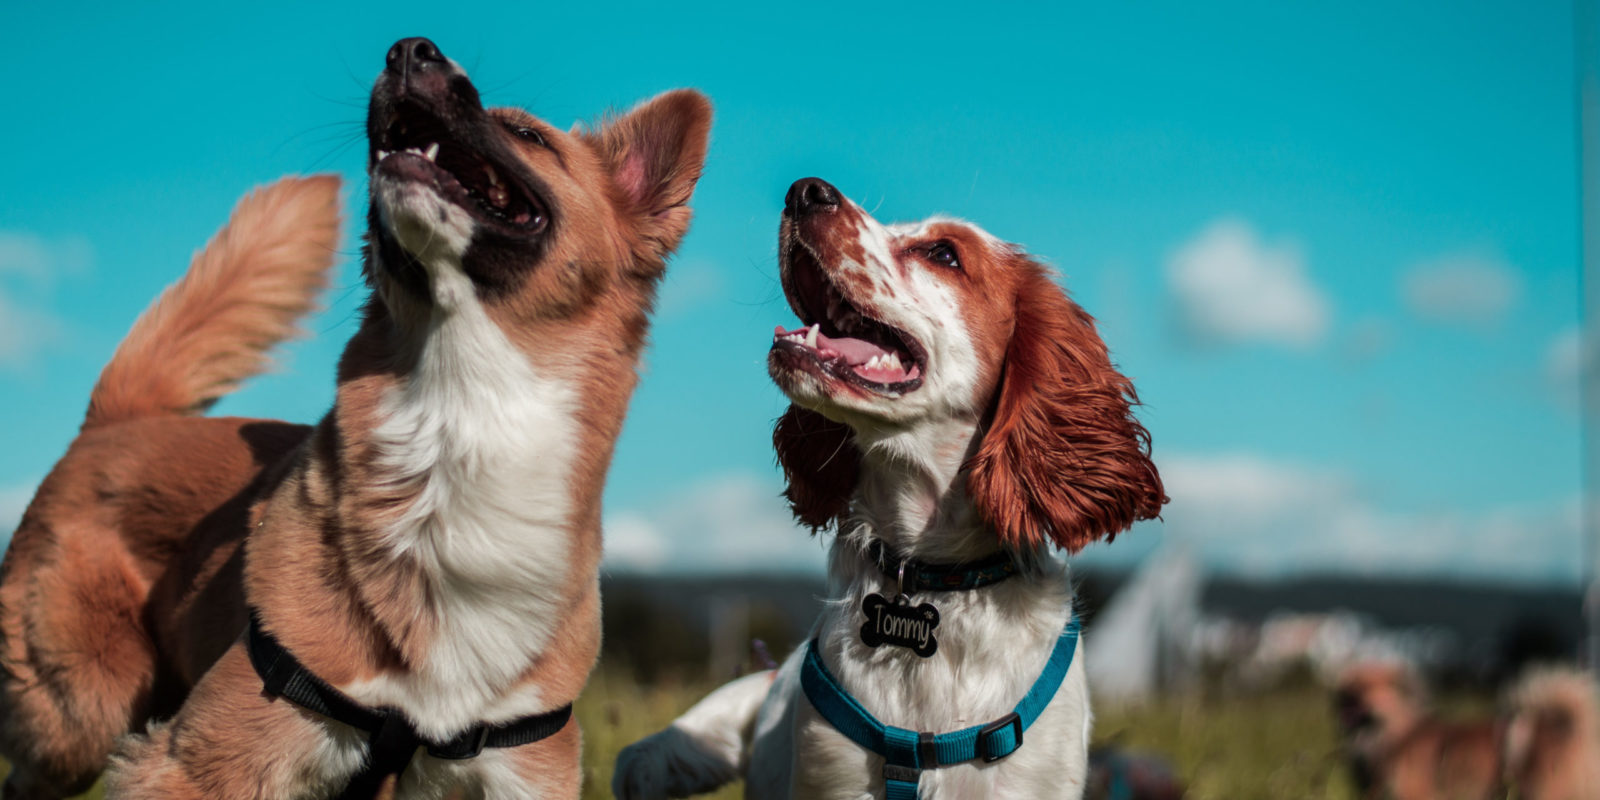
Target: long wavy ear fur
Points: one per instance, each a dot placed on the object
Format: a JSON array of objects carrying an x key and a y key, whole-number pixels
[
  {"x": 820, "y": 463},
  {"x": 1064, "y": 460}
]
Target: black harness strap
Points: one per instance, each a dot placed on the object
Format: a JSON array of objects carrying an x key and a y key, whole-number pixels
[{"x": 393, "y": 740}]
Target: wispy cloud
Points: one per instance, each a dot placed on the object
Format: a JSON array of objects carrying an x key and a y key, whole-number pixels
[
  {"x": 1564, "y": 365},
  {"x": 41, "y": 260},
  {"x": 687, "y": 287},
  {"x": 13, "y": 501},
  {"x": 1368, "y": 338},
  {"x": 1229, "y": 286},
  {"x": 1249, "y": 513},
  {"x": 1241, "y": 513},
  {"x": 1467, "y": 288},
  {"x": 29, "y": 267},
  {"x": 729, "y": 522},
  {"x": 23, "y": 332}
]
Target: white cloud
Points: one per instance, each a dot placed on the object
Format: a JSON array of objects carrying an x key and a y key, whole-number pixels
[
  {"x": 633, "y": 542},
  {"x": 734, "y": 522},
  {"x": 1230, "y": 286},
  {"x": 23, "y": 332},
  {"x": 1368, "y": 339},
  {"x": 29, "y": 265},
  {"x": 1564, "y": 365},
  {"x": 1464, "y": 289},
  {"x": 40, "y": 259},
  {"x": 13, "y": 501},
  {"x": 1247, "y": 513},
  {"x": 1240, "y": 513},
  {"x": 687, "y": 287}
]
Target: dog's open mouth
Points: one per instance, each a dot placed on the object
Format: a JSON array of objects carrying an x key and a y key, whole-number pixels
[
  {"x": 417, "y": 145},
  {"x": 1354, "y": 716},
  {"x": 838, "y": 339}
]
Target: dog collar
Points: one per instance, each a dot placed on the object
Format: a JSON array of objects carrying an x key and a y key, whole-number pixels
[
  {"x": 906, "y": 753},
  {"x": 914, "y": 575},
  {"x": 393, "y": 741}
]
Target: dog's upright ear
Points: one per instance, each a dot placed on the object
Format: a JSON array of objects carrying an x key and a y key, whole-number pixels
[
  {"x": 1063, "y": 460},
  {"x": 655, "y": 153},
  {"x": 820, "y": 465}
]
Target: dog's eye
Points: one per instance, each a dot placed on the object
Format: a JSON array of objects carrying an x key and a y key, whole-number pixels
[
  {"x": 528, "y": 135},
  {"x": 943, "y": 254}
]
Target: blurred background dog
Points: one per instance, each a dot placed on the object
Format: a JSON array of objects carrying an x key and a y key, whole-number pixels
[{"x": 1542, "y": 745}]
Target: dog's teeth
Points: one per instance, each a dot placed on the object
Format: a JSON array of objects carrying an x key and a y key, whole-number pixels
[
  {"x": 499, "y": 197},
  {"x": 811, "y": 336},
  {"x": 431, "y": 152},
  {"x": 892, "y": 361},
  {"x": 494, "y": 177},
  {"x": 383, "y": 154}
]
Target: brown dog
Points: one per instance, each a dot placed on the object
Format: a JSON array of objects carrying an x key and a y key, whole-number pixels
[
  {"x": 429, "y": 550},
  {"x": 1398, "y": 749},
  {"x": 1544, "y": 746},
  {"x": 1552, "y": 742}
]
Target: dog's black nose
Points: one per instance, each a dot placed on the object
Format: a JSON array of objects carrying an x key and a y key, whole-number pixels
[
  {"x": 413, "y": 53},
  {"x": 809, "y": 195}
]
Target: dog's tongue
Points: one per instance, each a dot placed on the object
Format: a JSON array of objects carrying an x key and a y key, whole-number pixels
[{"x": 855, "y": 351}]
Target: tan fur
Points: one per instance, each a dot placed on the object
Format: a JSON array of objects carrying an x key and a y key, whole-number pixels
[
  {"x": 1406, "y": 752},
  {"x": 89, "y": 609},
  {"x": 127, "y": 585},
  {"x": 1552, "y": 749},
  {"x": 241, "y": 296}
]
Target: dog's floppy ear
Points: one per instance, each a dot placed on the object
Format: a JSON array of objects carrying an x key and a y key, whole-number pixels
[
  {"x": 1063, "y": 459},
  {"x": 655, "y": 153},
  {"x": 820, "y": 463}
]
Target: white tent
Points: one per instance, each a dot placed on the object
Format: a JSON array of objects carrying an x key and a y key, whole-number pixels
[{"x": 1140, "y": 643}]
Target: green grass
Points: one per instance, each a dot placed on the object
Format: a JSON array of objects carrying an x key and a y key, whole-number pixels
[
  {"x": 1268, "y": 746},
  {"x": 616, "y": 711}
]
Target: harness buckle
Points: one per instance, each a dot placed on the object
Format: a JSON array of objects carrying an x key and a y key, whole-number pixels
[
  {"x": 927, "y": 750},
  {"x": 989, "y": 753},
  {"x": 475, "y": 740}
]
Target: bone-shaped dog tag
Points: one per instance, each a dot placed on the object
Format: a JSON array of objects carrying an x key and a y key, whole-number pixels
[{"x": 899, "y": 623}]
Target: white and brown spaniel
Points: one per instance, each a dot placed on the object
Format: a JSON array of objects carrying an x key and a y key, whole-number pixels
[{"x": 955, "y": 417}]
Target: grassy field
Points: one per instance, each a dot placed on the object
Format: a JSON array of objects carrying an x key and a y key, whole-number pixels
[{"x": 1268, "y": 746}]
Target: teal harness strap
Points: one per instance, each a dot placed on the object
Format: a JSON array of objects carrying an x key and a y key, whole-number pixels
[{"x": 907, "y": 753}]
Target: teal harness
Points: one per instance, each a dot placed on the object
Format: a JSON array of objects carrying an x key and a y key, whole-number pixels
[{"x": 907, "y": 753}]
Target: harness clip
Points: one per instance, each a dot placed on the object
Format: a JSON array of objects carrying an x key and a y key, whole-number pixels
[
  {"x": 987, "y": 752},
  {"x": 476, "y": 740}
]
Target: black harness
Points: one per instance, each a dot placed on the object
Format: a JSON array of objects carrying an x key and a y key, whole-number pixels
[{"x": 392, "y": 739}]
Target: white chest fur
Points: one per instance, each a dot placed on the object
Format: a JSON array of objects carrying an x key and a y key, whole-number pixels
[
  {"x": 485, "y": 443},
  {"x": 994, "y": 644}
]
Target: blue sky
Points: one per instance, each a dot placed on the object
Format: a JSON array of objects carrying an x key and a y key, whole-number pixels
[{"x": 1335, "y": 246}]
